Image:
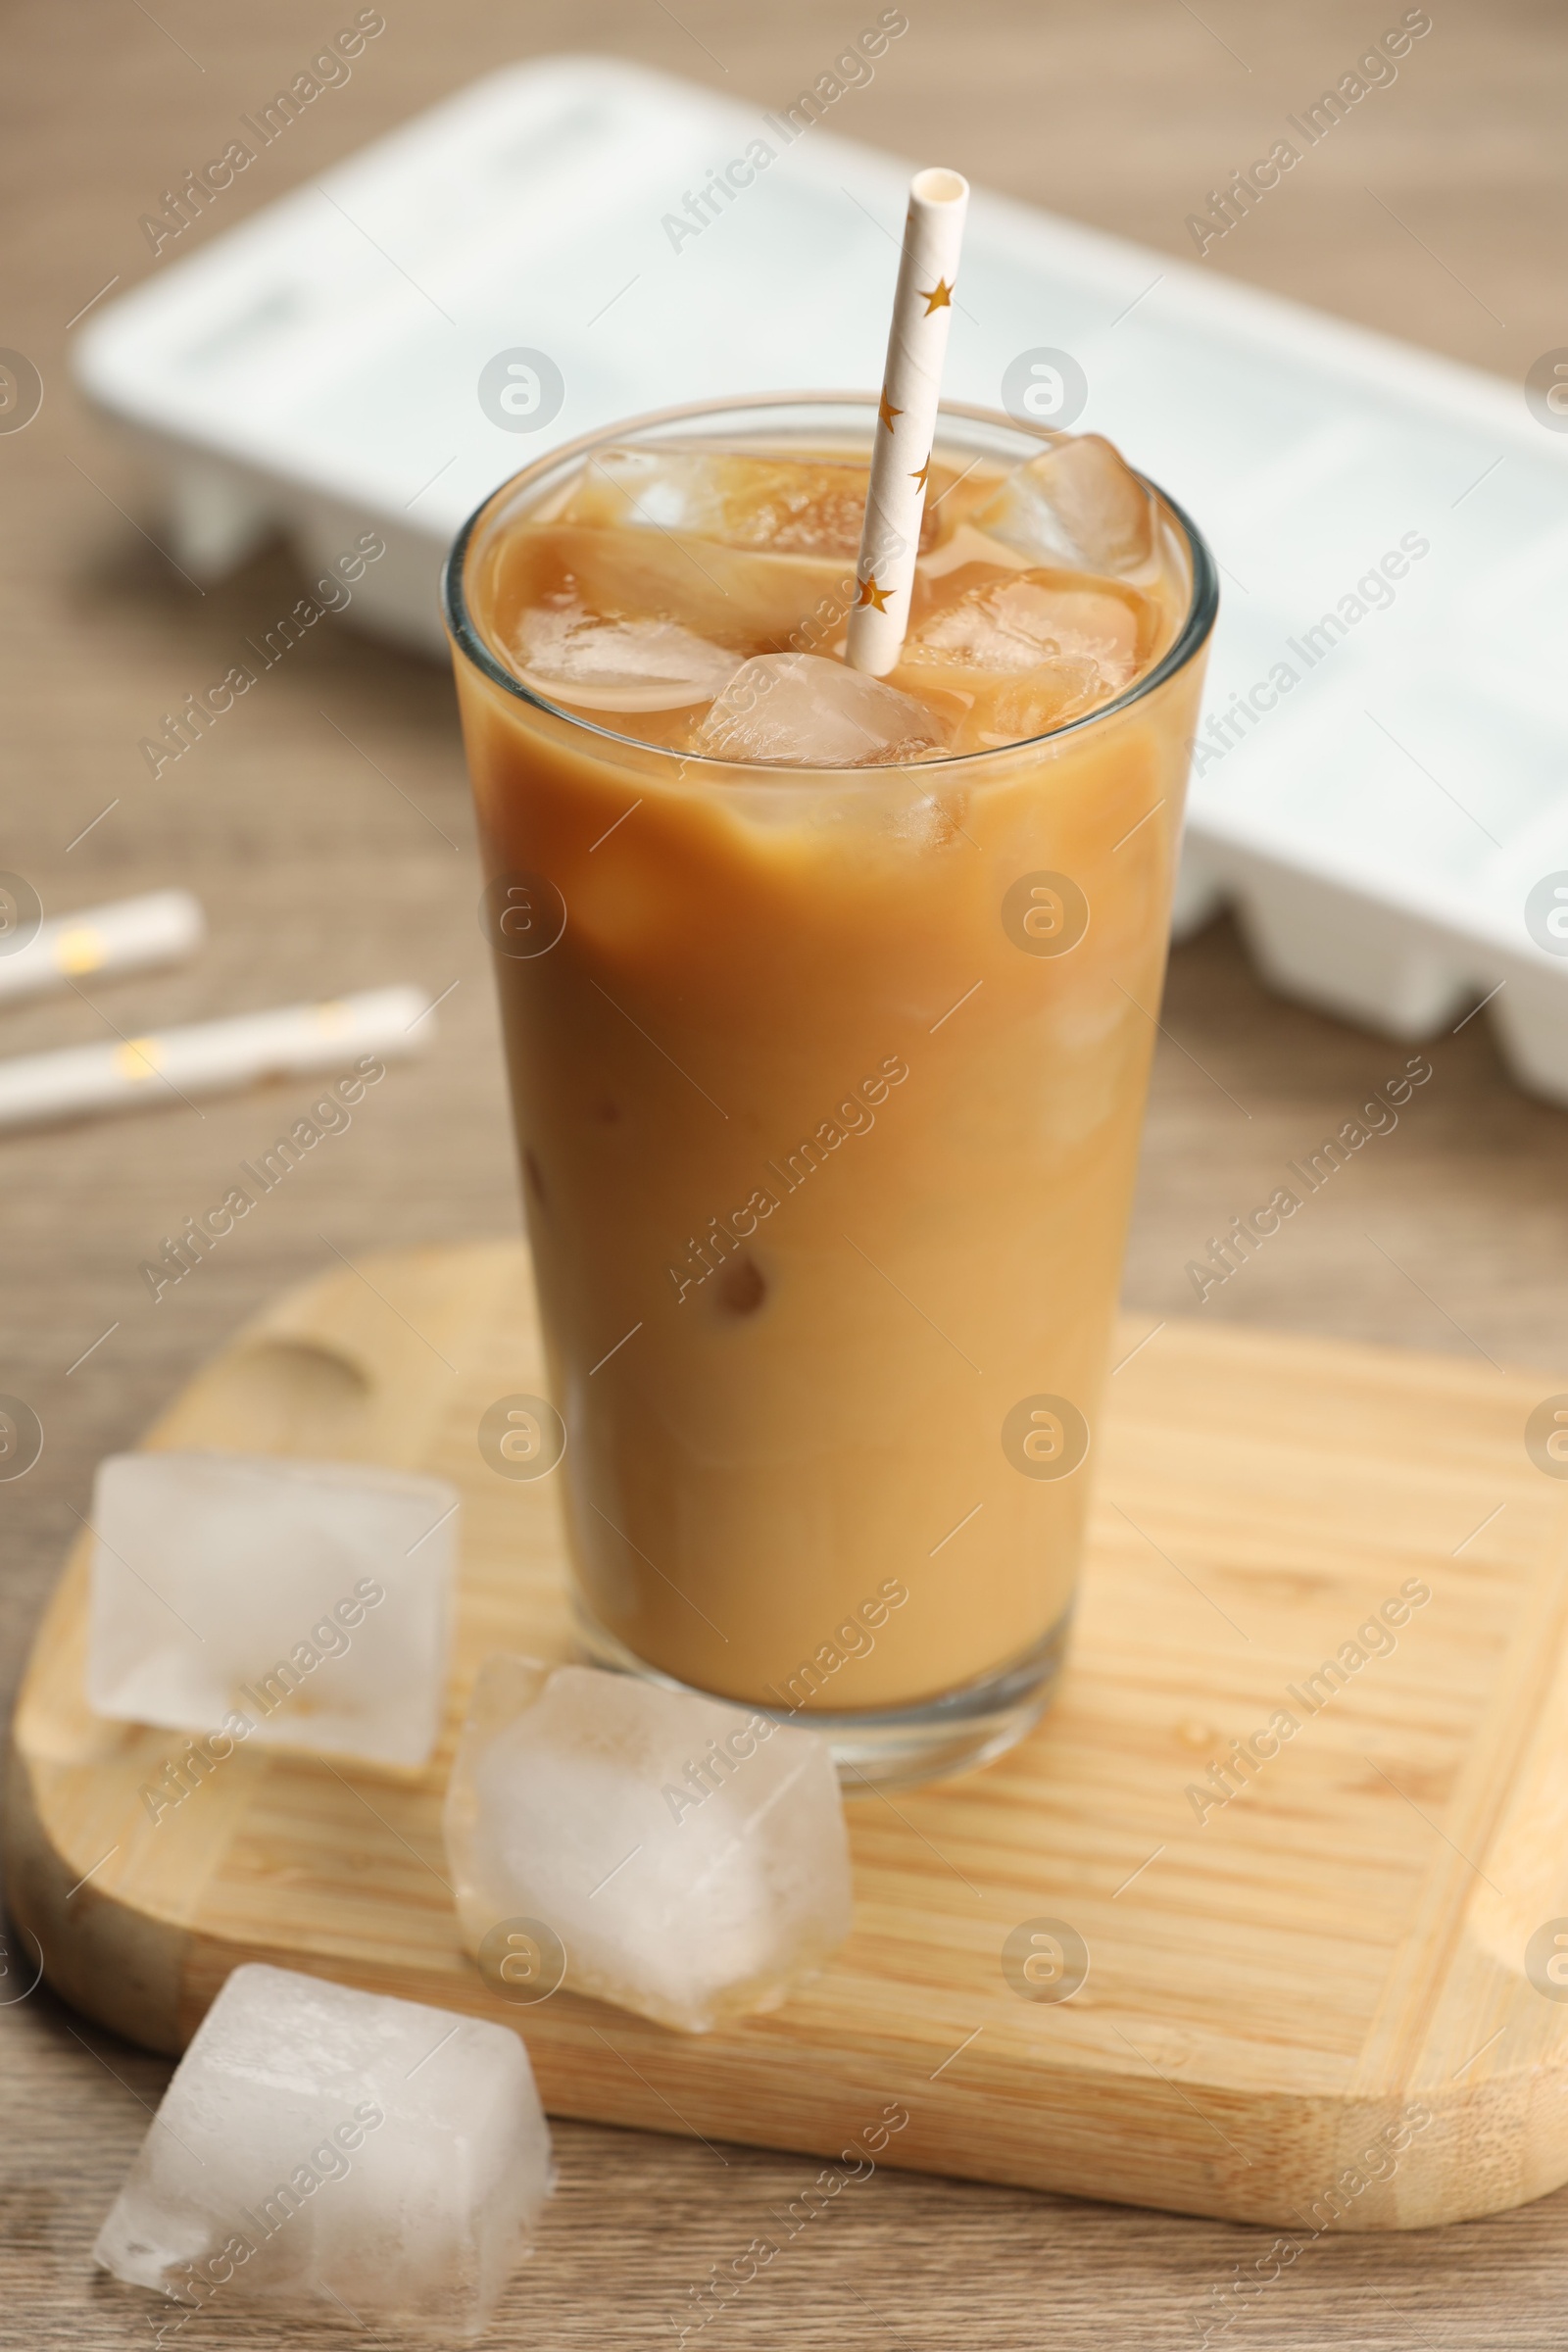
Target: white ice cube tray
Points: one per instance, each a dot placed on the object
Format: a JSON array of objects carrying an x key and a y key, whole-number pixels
[{"x": 1379, "y": 829}]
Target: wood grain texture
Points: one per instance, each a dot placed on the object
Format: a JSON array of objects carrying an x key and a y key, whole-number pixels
[
  {"x": 1276, "y": 1978},
  {"x": 317, "y": 877}
]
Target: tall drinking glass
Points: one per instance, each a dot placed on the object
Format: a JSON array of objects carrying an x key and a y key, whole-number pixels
[{"x": 828, "y": 1087}]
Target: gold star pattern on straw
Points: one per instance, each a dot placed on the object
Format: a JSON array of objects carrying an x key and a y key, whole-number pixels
[{"x": 882, "y": 585}]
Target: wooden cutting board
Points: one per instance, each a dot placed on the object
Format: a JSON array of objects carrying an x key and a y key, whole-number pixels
[{"x": 1315, "y": 2006}]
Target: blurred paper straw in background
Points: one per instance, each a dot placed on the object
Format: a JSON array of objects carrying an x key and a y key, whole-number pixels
[
  {"x": 906, "y": 420},
  {"x": 127, "y": 936},
  {"x": 182, "y": 1063}
]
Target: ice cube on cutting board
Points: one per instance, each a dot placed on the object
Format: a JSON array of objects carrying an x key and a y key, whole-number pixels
[
  {"x": 282, "y": 1601},
  {"x": 689, "y": 1855},
  {"x": 318, "y": 2145}
]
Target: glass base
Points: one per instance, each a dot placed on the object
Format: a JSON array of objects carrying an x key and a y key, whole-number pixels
[{"x": 891, "y": 1748}]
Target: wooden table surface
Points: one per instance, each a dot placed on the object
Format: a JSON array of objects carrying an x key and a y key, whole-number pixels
[{"x": 317, "y": 877}]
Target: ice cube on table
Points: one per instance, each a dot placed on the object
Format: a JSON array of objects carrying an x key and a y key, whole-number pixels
[
  {"x": 578, "y": 656},
  {"x": 288, "y": 1603},
  {"x": 689, "y": 1856},
  {"x": 981, "y": 616},
  {"x": 789, "y": 505},
  {"x": 805, "y": 711},
  {"x": 1077, "y": 503},
  {"x": 322, "y": 2146}
]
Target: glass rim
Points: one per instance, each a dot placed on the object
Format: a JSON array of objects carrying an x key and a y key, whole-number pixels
[{"x": 1189, "y": 639}]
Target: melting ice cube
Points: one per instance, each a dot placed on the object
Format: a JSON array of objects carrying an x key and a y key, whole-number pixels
[
  {"x": 307, "y": 1598},
  {"x": 732, "y": 598},
  {"x": 607, "y": 664},
  {"x": 983, "y": 617},
  {"x": 1028, "y": 651},
  {"x": 805, "y": 711},
  {"x": 318, "y": 2145},
  {"x": 1077, "y": 503},
  {"x": 789, "y": 505},
  {"x": 1017, "y": 710},
  {"x": 690, "y": 1857}
]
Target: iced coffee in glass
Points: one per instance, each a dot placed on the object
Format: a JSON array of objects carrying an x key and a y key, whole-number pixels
[{"x": 829, "y": 1003}]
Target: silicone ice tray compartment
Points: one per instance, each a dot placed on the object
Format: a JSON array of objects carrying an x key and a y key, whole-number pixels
[{"x": 1378, "y": 819}]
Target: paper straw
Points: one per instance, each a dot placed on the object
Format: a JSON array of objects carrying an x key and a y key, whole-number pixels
[
  {"x": 183, "y": 1064},
  {"x": 906, "y": 420},
  {"x": 126, "y": 936}
]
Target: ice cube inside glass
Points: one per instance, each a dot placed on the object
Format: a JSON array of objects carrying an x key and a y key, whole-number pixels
[
  {"x": 690, "y": 1858},
  {"x": 321, "y": 2146},
  {"x": 291, "y": 1602}
]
